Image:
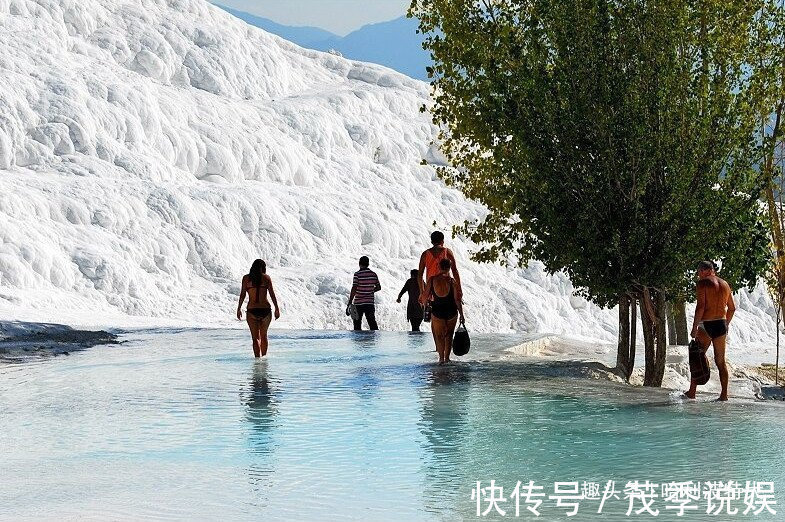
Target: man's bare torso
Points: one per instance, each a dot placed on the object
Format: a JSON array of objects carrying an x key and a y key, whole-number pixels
[{"x": 716, "y": 294}]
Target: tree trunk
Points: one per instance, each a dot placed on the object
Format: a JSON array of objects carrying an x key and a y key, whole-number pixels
[
  {"x": 680, "y": 317},
  {"x": 671, "y": 324},
  {"x": 633, "y": 335},
  {"x": 648, "y": 341},
  {"x": 661, "y": 340},
  {"x": 623, "y": 351},
  {"x": 653, "y": 312}
]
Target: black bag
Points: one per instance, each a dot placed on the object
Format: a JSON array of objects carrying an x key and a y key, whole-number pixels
[
  {"x": 699, "y": 364},
  {"x": 461, "y": 343}
]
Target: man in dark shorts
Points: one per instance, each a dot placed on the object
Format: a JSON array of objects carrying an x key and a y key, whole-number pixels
[
  {"x": 713, "y": 314},
  {"x": 364, "y": 285}
]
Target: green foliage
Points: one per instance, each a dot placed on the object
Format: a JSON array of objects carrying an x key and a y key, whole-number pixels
[{"x": 614, "y": 140}]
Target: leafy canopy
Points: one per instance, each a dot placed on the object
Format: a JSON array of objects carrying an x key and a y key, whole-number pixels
[{"x": 614, "y": 140}]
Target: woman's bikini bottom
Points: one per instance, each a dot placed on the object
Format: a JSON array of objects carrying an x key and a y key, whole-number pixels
[{"x": 259, "y": 313}]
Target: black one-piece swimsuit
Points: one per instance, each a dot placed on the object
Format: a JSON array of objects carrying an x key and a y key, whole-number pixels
[{"x": 444, "y": 307}]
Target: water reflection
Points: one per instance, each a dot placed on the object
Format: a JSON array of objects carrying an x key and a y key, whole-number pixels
[
  {"x": 365, "y": 383},
  {"x": 364, "y": 379},
  {"x": 261, "y": 402},
  {"x": 444, "y": 422},
  {"x": 419, "y": 342},
  {"x": 365, "y": 339}
]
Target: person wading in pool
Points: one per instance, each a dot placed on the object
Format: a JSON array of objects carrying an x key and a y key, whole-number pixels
[
  {"x": 429, "y": 266},
  {"x": 257, "y": 284},
  {"x": 413, "y": 307},
  {"x": 713, "y": 314},
  {"x": 364, "y": 285},
  {"x": 446, "y": 307}
]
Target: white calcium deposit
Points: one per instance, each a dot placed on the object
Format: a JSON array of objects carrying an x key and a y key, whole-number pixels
[{"x": 150, "y": 150}]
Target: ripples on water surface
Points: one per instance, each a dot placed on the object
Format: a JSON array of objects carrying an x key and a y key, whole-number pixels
[{"x": 342, "y": 426}]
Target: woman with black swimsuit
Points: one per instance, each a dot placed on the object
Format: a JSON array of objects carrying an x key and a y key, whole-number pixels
[
  {"x": 446, "y": 307},
  {"x": 257, "y": 284}
]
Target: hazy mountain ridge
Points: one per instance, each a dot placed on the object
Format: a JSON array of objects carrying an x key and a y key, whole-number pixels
[
  {"x": 304, "y": 36},
  {"x": 394, "y": 44}
]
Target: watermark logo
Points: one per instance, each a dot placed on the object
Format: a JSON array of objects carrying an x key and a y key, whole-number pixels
[{"x": 641, "y": 498}]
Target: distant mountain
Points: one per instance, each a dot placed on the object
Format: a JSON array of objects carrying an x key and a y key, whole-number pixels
[
  {"x": 304, "y": 36},
  {"x": 394, "y": 44}
]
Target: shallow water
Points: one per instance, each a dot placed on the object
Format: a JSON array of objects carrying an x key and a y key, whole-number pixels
[{"x": 341, "y": 426}]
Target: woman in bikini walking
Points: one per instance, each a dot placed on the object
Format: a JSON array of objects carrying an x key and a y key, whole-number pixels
[{"x": 257, "y": 284}]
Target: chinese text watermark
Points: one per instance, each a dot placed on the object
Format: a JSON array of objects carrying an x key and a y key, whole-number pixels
[{"x": 639, "y": 498}]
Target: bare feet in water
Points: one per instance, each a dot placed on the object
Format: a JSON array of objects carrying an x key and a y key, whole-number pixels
[{"x": 689, "y": 395}]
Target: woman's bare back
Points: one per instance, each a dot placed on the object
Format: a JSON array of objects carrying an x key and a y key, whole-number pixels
[{"x": 257, "y": 296}]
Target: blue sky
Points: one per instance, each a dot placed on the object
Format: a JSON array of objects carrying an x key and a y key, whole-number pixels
[{"x": 337, "y": 16}]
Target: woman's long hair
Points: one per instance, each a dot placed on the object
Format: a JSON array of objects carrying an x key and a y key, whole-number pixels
[{"x": 258, "y": 269}]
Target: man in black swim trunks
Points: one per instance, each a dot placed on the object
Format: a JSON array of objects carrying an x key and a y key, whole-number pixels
[{"x": 713, "y": 314}]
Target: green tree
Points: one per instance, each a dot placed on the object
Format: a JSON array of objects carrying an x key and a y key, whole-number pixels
[
  {"x": 772, "y": 165},
  {"x": 611, "y": 140}
]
